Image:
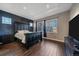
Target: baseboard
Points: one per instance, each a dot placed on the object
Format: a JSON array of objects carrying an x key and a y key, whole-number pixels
[{"x": 61, "y": 41}]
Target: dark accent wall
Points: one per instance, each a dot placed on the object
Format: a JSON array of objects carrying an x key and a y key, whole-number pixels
[
  {"x": 17, "y": 21},
  {"x": 6, "y": 29}
]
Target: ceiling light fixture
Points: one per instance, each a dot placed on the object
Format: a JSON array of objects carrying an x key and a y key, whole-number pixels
[
  {"x": 24, "y": 8},
  {"x": 48, "y": 6}
]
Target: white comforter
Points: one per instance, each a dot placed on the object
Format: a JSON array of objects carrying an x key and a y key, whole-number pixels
[{"x": 20, "y": 35}]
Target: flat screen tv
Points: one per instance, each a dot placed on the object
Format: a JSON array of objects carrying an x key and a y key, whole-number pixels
[{"x": 74, "y": 27}]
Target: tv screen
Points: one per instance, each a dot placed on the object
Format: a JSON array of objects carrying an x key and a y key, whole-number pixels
[{"x": 74, "y": 27}]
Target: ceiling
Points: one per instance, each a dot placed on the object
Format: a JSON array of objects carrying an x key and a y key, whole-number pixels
[{"x": 35, "y": 11}]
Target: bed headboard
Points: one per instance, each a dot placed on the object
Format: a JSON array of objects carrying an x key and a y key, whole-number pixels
[{"x": 21, "y": 26}]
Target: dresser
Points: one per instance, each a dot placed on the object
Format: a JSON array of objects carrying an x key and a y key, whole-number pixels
[{"x": 71, "y": 47}]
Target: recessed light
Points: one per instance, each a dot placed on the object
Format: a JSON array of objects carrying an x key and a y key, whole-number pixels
[
  {"x": 47, "y": 6},
  {"x": 24, "y": 8}
]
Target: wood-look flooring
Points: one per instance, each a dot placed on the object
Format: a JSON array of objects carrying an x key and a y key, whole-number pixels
[{"x": 44, "y": 48}]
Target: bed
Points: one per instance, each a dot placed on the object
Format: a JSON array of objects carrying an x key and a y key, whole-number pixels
[{"x": 28, "y": 38}]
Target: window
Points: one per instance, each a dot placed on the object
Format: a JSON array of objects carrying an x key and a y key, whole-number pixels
[
  {"x": 6, "y": 20},
  {"x": 31, "y": 24},
  {"x": 51, "y": 25}
]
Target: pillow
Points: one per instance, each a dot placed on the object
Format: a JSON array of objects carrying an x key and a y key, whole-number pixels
[
  {"x": 26, "y": 31},
  {"x": 23, "y": 31},
  {"x": 20, "y": 31}
]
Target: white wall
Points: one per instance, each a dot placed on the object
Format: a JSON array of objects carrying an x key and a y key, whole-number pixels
[
  {"x": 74, "y": 10},
  {"x": 63, "y": 26}
]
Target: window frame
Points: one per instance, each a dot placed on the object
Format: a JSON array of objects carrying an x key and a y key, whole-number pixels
[
  {"x": 56, "y": 25},
  {"x": 9, "y": 20}
]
